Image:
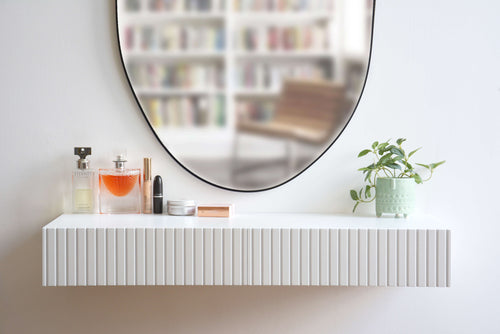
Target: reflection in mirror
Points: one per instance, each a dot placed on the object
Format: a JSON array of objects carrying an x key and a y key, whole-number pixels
[{"x": 246, "y": 94}]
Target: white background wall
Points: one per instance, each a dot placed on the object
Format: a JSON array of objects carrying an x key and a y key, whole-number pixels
[{"x": 435, "y": 78}]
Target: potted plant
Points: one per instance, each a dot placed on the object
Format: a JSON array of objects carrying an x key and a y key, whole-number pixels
[{"x": 391, "y": 179}]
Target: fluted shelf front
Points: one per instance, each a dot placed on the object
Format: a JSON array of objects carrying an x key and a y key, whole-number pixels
[{"x": 259, "y": 249}]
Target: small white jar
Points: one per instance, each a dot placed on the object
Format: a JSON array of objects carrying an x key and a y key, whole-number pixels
[{"x": 181, "y": 208}]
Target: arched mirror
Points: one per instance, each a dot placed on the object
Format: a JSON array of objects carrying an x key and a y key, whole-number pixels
[{"x": 246, "y": 94}]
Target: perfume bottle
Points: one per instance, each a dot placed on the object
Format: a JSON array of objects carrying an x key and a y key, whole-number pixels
[
  {"x": 84, "y": 183},
  {"x": 120, "y": 188}
]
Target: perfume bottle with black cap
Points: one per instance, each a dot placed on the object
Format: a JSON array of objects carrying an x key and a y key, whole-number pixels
[
  {"x": 120, "y": 188},
  {"x": 84, "y": 183}
]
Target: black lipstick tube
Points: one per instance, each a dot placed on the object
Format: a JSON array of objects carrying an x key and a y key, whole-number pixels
[{"x": 158, "y": 195}]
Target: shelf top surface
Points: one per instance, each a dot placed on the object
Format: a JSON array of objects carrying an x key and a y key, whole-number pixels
[{"x": 259, "y": 220}]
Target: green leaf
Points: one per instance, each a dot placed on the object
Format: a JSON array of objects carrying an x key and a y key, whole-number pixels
[
  {"x": 407, "y": 164},
  {"x": 388, "y": 148},
  {"x": 368, "y": 168},
  {"x": 355, "y": 206},
  {"x": 354, "y": 195},
  {"x": 368, "y": 192},
  {"x": 425, "y": 166},
  {"x": 385, "y": 159},
  {"x": 381, "y": 146},
  {"x": 434, "y": 165},
  {"x": 400, "y": 141},
  {"x": 363, "y": 153},
  {"x": 360, "y": 191},
  {"x": 367, "y": 177},
  {"x": 375, "y": 144},
  {"x": 417, "y": 178},
  {"x": 413, "y": 152},
  {"x": 393, "y": 165},
  {"x": 397, "y": 151}
]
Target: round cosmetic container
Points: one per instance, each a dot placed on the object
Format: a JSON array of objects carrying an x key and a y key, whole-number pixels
[{"x": 181, "y": 208}]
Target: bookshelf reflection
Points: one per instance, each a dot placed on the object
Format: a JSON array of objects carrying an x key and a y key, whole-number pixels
[{"x": 246, "y": 93}]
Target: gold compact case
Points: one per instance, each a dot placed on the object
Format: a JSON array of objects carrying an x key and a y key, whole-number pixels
[{"x": 216, "y": 210}]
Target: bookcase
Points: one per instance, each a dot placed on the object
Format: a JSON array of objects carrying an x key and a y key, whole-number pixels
[{"x": 197, "y": 66}]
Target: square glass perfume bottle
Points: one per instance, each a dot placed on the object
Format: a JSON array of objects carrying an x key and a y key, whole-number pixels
[
  {"x": 120, "y": 188},
  {"x": 84, "y": 194}
]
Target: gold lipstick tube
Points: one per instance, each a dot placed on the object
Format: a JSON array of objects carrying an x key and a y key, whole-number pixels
[{"x": 147, "y": 188}]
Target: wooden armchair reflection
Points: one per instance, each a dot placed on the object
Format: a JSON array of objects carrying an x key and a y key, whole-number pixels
[{"x": 307, "y": 112}]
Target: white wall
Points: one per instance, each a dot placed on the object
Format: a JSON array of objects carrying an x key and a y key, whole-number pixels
[{"x": 434, "y": 79}]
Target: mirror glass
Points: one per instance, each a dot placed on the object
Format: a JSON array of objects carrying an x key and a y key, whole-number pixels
[{"x": 246, "y": 94}]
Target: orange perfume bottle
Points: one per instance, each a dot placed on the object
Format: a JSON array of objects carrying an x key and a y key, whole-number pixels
[{"x": 120, "y": 188}]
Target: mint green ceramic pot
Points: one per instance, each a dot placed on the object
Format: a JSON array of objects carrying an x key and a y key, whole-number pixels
[{"x": 395, "y": 195}]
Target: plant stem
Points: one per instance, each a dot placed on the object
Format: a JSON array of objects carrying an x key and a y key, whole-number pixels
[
  {"x": 427, "y": 179},
  {"x": 366, "y": 201}
]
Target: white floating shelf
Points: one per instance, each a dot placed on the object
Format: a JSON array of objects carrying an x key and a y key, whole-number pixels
[{"x": 257, "y": 249}]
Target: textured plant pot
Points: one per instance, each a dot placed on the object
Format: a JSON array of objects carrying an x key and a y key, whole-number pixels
[{"x": 395, "y": 195}]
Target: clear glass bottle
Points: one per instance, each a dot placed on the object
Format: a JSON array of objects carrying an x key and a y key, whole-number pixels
[
  {"x": 84, "y": 194},
  {"x": 120, "y": 188}
]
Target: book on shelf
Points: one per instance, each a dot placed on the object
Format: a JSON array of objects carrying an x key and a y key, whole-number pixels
[
  {"x": 182, "y": 112},
  {"x": 283, "y": 5},
  {"x": 174, "y": 37},
  {"x": 174, "y": 5},
  {"x": 238, "y": 5},
  {"x": 207, "y": 76},
  {"x": 309, "y": 37}
]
